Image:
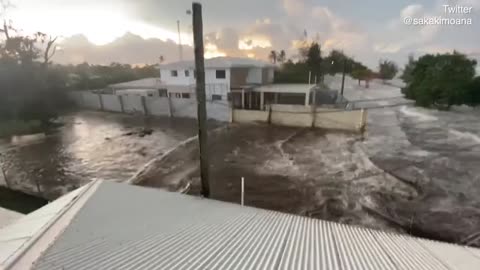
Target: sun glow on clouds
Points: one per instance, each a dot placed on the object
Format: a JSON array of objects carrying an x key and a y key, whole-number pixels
[
  {"x": 250, "y": 43},
  {"x": 211, "y": 51},
  {"x": 99, "y": 25}
]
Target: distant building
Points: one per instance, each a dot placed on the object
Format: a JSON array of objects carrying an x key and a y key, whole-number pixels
[{"x": 222, "y": 74}]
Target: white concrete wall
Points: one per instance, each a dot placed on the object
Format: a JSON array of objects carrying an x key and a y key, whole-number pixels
[
  {"x": 133, "y": 104},
  {"x": 301, "y": 116},
  {"x": 219, "y": 110},
  {"x": 246, "y": 116},
  {"x": 341, "y": 120},
  {"x": 157, "y": 106},
  {"x": 111, "y": 103},
  {"x": 91, "y": 101},
  {"x": 184, "y": 107},
  {"x": 254, "y": 75}
]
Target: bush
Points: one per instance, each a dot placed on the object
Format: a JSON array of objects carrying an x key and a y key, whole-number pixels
[{"x": 441, "y": 80}]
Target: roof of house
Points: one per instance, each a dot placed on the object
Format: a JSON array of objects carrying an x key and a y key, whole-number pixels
[
  {"x": 147, "y": 83},
  {"x": 220, "y": 62},
  {"x": 109, "y": 225}
]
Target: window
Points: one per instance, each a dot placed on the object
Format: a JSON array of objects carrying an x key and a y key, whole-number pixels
[
  {"x": 185, "y": 95},
  {"x": 174, "y": 73},
  {"x": 187, "y": 73},
  {"x": 220, "y": 74},
  {"x": 162, "y": 92},
  {"x": 150, "y": 94},
  {"x": 216, "y": 97},
  {"x": 178, "y": 95}
]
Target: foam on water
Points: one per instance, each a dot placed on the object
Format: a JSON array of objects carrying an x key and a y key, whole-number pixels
[
  {"x": 415, "y": 113},
  {"x": 465, "y": 135}
]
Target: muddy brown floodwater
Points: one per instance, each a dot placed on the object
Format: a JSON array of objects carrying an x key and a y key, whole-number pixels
[
  {"x": 91, "y": 145},
  {"x": 300, "y": 171}
]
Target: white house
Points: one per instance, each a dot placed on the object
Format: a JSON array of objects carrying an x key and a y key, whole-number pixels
[{"x": 222, "y": 74}]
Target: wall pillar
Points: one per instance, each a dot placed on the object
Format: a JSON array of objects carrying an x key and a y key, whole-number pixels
[
  {"x": 100, "y": 99},
  {"x": 120, "y": 99},
  {"x": 307, "y": 98},
  {"x": 250, "y": 100},
  {"x": 262, "y": 98},
  {"x": 144, "y": 105},
  {"x": 243, "y": 98},
  {"x": 170, "y": 109}
]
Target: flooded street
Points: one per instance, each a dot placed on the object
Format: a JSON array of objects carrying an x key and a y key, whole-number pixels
[
  {"x": 414, "y": 171},
  {"x": 91, "y": 145}
]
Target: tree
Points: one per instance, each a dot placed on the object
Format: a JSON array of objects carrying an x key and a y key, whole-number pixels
[
  {"x": 408, "y": 70},
  {"x": 442, "y": 80},
  {"x": 362, "y": 73},
  {"x": 273, "y": 57},
  {"x": 387, "y": 70},
  {"x": 314, "y": 59},
  {"x": 281, "y": 56}
]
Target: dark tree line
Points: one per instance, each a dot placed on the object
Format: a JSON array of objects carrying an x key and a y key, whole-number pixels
[
  {"x": 311, "y": 60},
  {"x": 33, "y": 89},
  {"x": 442, "y": 80}
]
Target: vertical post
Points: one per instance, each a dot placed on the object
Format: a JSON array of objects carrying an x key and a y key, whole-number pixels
[
  {"x": 343, "y": 75},
  {"x": 180, "y": 49},
  {"x": 170, "y": 108},
  {"x": 309, "y": 77},
  {"x": 275, "y": 98},
  {"x": 201, "y": 108},
  {"x": 307, "y": 97},
  {"x": 315, "y": 79},
  {"x": 242, "y": 200},
  {"x": 250, "y": 100},
  {"x": 144, "y": 105},
  {"x": 314, "y": 107},
  {"x": 100, "y": 99},
  {"x": 243, "y": 98},
  {"x": 262, "y": 100},
  {"x": 122, "y": 107}
]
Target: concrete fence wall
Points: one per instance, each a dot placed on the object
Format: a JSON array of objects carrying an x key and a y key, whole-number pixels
[
  {"x": 303, "y": 116},
  {"x": 158, "y": 106}
]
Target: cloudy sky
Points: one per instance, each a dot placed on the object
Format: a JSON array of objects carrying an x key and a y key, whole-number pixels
[{"x": 139, "y": 31}]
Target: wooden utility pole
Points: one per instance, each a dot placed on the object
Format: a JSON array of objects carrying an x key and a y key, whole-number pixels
[
  {"x": 201, "y": 106},
  {"x": 343, "y": 75}
]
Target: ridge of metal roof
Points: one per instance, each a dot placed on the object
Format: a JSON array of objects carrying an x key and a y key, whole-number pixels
[
  {"x": 122, "y": 226},
  {"x": 31, "y": 234}
]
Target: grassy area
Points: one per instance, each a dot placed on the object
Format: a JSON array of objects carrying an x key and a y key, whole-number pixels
[{"x": 17, "y": 127}]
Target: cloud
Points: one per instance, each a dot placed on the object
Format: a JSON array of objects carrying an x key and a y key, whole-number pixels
[{"x": 129, "y": 48}]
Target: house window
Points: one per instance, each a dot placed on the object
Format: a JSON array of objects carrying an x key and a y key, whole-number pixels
[
  {"x": 187, "y": 73},
  {"x": 185, "y": 95},
  {"x": 220, "y": 74},
  {"x": 150, "y": 94},
  {"x": 216, "y": 97},
  {"x": 174, "y": 73},
  {"x": 162, "y": 92}
]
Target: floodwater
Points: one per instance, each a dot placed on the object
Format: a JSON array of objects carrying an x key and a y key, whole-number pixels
[
  {"x": 414, "y": 171},
  {"x": 91, "y": 145}
]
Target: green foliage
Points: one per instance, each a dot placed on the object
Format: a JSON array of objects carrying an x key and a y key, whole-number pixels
[
  {"x": 473, "y": 97},
  {"x": 407, "y": 75},
  {"x": 291, "y": 72},
  {"x": 387, "y": 70},
  {"x": 314, "y": 59},
  {"x": 443, "y": 80}
]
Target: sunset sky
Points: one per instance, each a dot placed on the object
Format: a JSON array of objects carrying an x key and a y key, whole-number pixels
[{"x": 140, "y": 31}]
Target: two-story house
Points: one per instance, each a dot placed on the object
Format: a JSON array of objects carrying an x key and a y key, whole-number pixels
[{"x": 222, "y": 75}]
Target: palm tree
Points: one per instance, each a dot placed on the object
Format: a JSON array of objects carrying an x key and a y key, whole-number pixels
[
  {"x": 282, "y": 56},
  {"x": 273, "y": 57}
]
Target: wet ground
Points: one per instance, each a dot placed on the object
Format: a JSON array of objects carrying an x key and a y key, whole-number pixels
[{"x": 91, "y": 145}]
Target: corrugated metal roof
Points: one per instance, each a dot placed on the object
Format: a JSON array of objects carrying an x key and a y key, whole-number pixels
[
  {"x": 21, "y": 233},
  {"x": 130, "y": 227}
]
